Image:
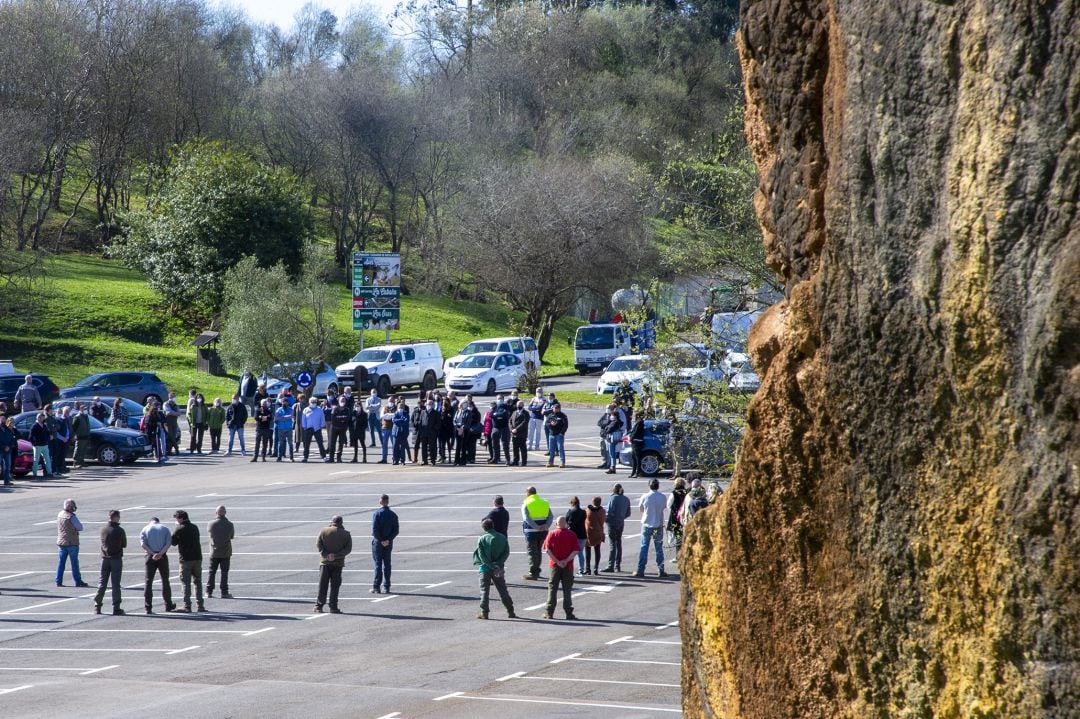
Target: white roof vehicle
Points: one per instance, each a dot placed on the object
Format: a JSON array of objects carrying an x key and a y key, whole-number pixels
[
  {"x": 523, "y": 347},
  {"x": 388, "y": 367},
  {"x": 486, "y": 373},
  {"x": 629, "y": 367}
]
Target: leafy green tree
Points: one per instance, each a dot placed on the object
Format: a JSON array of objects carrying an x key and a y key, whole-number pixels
[
  {"x": 273, "y": 319},
  {"x": 214, "y": 207}
]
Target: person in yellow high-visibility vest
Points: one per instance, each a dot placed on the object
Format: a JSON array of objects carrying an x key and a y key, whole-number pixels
[{"x": 535, "y": 521}]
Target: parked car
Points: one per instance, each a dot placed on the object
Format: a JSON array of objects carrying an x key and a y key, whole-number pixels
[
  {"x": 134, "y": 409},
  {"x": 10, "y": 383},
  {"x": 24, "y": 459},
  {"x": 486, "y": 372},
  {"x": 701, "y": 442},
  {"x": 630, "y": 367},
  {"x": 325, "y": 379},
  {"x": 137, "y": 386},
  {"x": 523, "y": 347},
  {"x": 109, "y": 445},
  {"x": 388, "y": 367},
  {"x": 744, "y": 379}
]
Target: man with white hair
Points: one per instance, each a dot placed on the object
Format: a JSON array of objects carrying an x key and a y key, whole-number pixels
[{"x": 27, "y": 398}]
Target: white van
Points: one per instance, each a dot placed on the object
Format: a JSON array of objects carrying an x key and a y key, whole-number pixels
[
  {"x": 523, "y": 347},
  {"x": 389, "y": 367}
]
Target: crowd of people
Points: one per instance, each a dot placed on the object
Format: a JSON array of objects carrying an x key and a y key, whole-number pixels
[{"x": 578, "y": 534}]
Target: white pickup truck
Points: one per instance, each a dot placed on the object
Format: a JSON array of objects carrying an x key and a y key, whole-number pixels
[{"x": 389, "y": 367}]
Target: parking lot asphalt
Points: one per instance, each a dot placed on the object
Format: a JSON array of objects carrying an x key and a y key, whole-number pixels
[{"x": 416, "y": 652}]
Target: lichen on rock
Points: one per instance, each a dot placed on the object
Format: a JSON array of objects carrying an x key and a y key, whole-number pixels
[{"x": 902, "y": 534}]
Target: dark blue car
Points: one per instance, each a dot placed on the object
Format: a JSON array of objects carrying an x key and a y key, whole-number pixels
[{"x": 701, "y": 442}]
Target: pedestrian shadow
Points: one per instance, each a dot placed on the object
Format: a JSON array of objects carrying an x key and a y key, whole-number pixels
[{"x": 403, "y": 617}]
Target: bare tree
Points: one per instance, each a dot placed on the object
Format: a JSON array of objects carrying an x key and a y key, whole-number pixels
[{"x": 541, "y": 234}]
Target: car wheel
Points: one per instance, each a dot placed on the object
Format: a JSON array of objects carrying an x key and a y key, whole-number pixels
[
  {"x": 650, "y": 464},
  {"x": 429, "y": 381},
  {"x": 490, "y": 387},
  {"x": 383, "y": 387},
  {"x": 151, "y": 397},
  {"x": 108, "y": 454}
]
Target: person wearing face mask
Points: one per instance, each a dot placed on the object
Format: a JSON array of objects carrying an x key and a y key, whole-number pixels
[
  {"x": 340, "y": 421},
  {"x": 196, "y": 419},
  {"x": 313, "y": 422},
  {"x": 185, "y": 538},
  {"x": 536, "y": 419},
  {"x": 215, "y": 418},
  {"x": 428, "y": 432}
]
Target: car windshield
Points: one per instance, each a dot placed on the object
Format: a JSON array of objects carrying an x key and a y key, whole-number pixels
[
  {"x": 476, "y": 362},
  {"x": 87, "y": 381},
  {"x": 594, "y": 338},
  {"x": 474, "y": 347},
  {"x": 624, "y": 365},
  {"x": 690, "y": 357},
  {"x": 371, "y": 356}
]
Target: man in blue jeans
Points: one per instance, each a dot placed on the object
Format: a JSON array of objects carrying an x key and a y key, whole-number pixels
[
  {"x": 68, "y": 527},
  {"x": 652, "y": 506}
]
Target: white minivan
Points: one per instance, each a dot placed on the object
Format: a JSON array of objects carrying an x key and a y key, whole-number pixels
[
  {"x": 523, "y": 347},
  {"x": 388, "y": 367}
]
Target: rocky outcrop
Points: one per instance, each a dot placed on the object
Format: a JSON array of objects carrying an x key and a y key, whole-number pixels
[{"x": 902, "y": 535}]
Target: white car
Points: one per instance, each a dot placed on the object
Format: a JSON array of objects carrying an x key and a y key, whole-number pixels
[
  {"x": 630, "y": 367},
  {"x": 696, "y": 364},
  {"x": 486, "y": 373},
  {"x": 524, "y": 348},
  {"x": 325, "y": 380},
  {"x": 744, "y": 379},
  {"x": 389, "y": 367}
]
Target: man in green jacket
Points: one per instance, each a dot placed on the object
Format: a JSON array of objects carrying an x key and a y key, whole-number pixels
[
  {"x": 334, "y": 544},
  {"x": 492, "y": 551},
  {"x": 215, "y": 418},
  {"x": 80, "y": 427}
]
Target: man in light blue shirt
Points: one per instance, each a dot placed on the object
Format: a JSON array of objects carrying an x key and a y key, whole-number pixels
[
  {"x": 155, "y": 539},
  {"x": 283, "y": 427},
  {"x": 312, "y": 422},
  {"x": 652, "y": 506}
]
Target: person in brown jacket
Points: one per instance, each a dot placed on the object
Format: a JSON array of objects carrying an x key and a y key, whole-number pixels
[
  {"x": 594, "y": 533},
  {"x": 334, "y": 543}
]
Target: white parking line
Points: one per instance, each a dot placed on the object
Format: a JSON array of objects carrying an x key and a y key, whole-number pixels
[
  {"x": 391, "y": 715},
  {"x": 463, "y": 695},
  {"x": 593, "y": 681},
  {"x": 84, "y": 649},
  {"x": 181, "y": 651},
  {"x": 568, "y": 657},
  {"x": 258, "y": 631},
  {"x": 99, "y": 669},
  {"x": 47, "y": 604},
  {"x": 16, "y": 689},
  {"x": 12, "y": 576},
  {"x": 598, "y": 589},
  {"x": 669, "y": 625},
  {"x": 625, "y": 661},
  {"x": 132, "y": 631}
]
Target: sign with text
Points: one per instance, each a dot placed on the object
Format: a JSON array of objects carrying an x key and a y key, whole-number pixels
[{"x": 376, "y": 291}]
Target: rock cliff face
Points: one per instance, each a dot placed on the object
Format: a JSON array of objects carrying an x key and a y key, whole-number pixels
[{"x": 902, "y": 536}]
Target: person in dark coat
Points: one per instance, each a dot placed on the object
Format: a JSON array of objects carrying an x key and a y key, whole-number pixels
[
  {"x": 384, "y": 529},
  {"x": 113, "y": 541},
  {"x": 575, "y": 520},
  {"x": 499, "y": 516}
]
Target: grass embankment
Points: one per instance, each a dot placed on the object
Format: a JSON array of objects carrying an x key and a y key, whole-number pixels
[{"x": 96, "y": 315}]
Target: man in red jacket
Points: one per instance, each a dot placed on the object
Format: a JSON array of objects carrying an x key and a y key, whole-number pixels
[{"x": 561, "y": 546}]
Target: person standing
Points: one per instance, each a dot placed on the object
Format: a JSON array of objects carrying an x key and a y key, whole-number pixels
[
  {"x": 594, "y": 535},
  {"x": 264, "y": 429},
  {"x": 561, "y": 545},
  {"x": 499, "y": 516},
  {"x": 172, "y": 425},
  {"x": 61, "y": 433},
  {"x": 386, "y": 428},
  {"x": 674, "y": 512},
  {"x": 196, "y": 419},
  {"x": 39, "y": 439},
  {"x": 155, "y": 539},
  {"x": 80, "y": 429},
  {"x": 339, "y": 430},
  {"x": 245, "y": 390},
  {"x": 358, "y": 424},
  {"x": 618, "y": 511},
  {"x": 99, "y": 410},
  {"x": 546, "y": 412},
  {"x": 637, "y": 444},
  {"x": 519, "y": 431},
  {"x": 68, "y": 527},
  {"x": 492, "y": 551},
  {"x": 313, "y": 421},
  {"x": 500, "y": 432},
  {"x": 429, "y": 433},
  {"x": 113, "y": 541},
  {"x": 652, "y": 507},
  {"x": 236, "y": 415},
  {"x": 575, "y": 521},
  {"x": 384, "y": 528},
  {"x": 612, "y": 430},
  {"x": 283, "y": 428},
  {"x": 27, "y": 398},
  {"x": 400, "y": 432},
  {"x": 334, "y": 544},
  {"x": 536, "y": 419},
  {"x": 185, "y": 538},
  {"x": 414, "y": 430},
  {"x": 535, "y": 521},
  {"x": 373, "y": 405},
  {"x": 556, "y": 424},
  {"x": 215, "y": 418},
  {"x": 447, "y": 430},
  {"x": 9, "y": 443},
  {"x": 221, "y": 533},
  {"x": 119, "y": 416}
]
